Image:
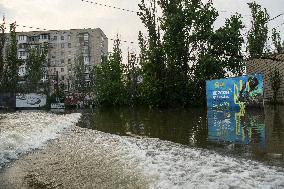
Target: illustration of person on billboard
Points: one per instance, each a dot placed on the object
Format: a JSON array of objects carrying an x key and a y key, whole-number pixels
[{"x": 250, "y": 91}]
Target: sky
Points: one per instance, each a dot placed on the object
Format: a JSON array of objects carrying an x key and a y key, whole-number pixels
[{"x": 75, "y": 14}]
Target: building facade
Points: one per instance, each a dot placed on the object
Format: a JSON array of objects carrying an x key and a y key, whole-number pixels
[
  {"x": 265, "y": 66},
  {"x": 64, "y": 48}
]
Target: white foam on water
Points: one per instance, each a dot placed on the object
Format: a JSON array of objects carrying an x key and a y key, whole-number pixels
[
  {"x": 23, "y": 132},
  {"x": 180, "y": 167},
  {"x": 169, "y": 165}
]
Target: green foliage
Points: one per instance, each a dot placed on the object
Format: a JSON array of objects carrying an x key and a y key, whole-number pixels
[
  {"x": 276, "y": 39},
  {"x": 275, "y": 82},
  {"x": 34, "y": 67},
  {"x": 176, "y": 66},
  {"x": 11, "y": 65},
  {"x": 2, "y": 62},
  {"x": 180, "y": 52},
  {"x": 174, "y": 25},
  {"x": 227, "y": 44},
  {"x": 133, "y": 73},
  {"x": 80, "y": 83},
  {"x": 257, "y": 36},
  {"x": 153, "y": 66},
  {"x": 108, "y": 78}
]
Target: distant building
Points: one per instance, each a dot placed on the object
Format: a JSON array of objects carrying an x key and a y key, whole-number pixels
[
  {"x": 264, "y": 66},
  {"x": 64, "y": 46}
]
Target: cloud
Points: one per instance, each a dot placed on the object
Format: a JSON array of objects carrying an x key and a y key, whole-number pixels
[{"x": 67, "y": 14}]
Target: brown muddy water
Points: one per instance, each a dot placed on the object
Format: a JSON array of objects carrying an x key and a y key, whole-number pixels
[
  {"x": 142, "y": 148},
  {"x": 254, "y": 134}
]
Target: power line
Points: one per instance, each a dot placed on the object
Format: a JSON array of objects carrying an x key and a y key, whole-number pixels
[
  {"x": 43, "y": 29},
  {"x": 276, "y": 17},
  {"x": 31, "y": 27},
  {"x": 109, "y": 6}
]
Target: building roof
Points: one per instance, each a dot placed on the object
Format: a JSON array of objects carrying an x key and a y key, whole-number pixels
[{"x": 274, "y": 57}]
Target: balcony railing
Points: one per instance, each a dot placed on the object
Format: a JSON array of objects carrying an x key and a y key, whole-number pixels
[{"x": 24, "y": 40}]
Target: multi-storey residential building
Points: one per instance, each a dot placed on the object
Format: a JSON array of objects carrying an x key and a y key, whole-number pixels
[{"x": 64, "y": 47}]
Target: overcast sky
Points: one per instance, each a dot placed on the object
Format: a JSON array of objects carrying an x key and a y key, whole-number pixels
[{"x": 68, "y": 14}]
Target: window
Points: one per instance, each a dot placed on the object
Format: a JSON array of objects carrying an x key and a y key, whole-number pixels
[
  {"x": 86, "y": 37},
  {"x": 55, "y": 38},
  {"x": 62, "y": 45},
  {"x": 62, "y": 53},
  {"x": 62, "y": 69},
  {"x": 69, "y": 37},
  {"x": 62, "y": 77},
  {"x": 22, "y": 37},
  {"x": 69, "y": 61},
  {"x": 34, "y": 38},
  {"x": 62, "y": 37},
  {"x": 69, "y": 45},
  {"x": 86, "y": 59},
  {"x": 44, "y": 36},
  {"x": 22, "y": 53},
  {"x": 54, "y": 69},
  {"x": 86, "y": 68},
  {"x": 62, "y": 61}
]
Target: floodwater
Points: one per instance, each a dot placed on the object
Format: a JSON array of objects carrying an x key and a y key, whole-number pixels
[
  {"x": 252, "y": 134},
  {"x": 142, "y": 148}
]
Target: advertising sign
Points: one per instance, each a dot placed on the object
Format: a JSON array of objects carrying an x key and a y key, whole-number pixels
[
  {"x": 235, "y": 93},
  {"x": 31, "y": 100}
]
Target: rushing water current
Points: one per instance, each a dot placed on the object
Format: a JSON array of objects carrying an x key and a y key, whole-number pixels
[{"x": 189, "y": 148}]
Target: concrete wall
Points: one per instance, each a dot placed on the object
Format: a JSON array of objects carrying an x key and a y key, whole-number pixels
[{"x": 264, "y": 66}]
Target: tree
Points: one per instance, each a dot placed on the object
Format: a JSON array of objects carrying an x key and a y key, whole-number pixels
[
  {"x": 200, "y": 34},
  {"x": 133, "y": 73},
  {"x": 79, "y": 80},
  {"x": 257, "y": 36},
  {"x": 275, "y": 82},
  {"x": 35, "y": 67},
  {"x": 153, "y": 66},
  {"x": 108, "y": 78},
  {"x": 174, "y": 26},
  {"x": 10, "y": 75},
  {"x": 2, "y": 62},
  {"x": 276, "y": 39},
  {"x": 227, "y": 44},
  {"x": 176, "y": 66}
]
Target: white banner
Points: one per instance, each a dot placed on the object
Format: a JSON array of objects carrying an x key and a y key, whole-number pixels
[{"x": 31, "y": 100}]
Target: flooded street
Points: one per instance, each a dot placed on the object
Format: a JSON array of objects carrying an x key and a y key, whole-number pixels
[
  {"x": 254, "y": 134},
  {"x": 141, "y": 148}
]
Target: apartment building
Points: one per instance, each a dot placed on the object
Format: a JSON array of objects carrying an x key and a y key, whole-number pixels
[{"x": 64, "y": 47}]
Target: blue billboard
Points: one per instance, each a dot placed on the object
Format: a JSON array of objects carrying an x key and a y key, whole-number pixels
[{"x": 235, "y": 93}]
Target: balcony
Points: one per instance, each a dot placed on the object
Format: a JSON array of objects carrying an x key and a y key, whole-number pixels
[
  {"x": 22, "y": 55},
  {"x": 86, "y": 37},
  {"x": 22, "y": 70},
  {"x": 44, "y": 38},
  {"x": 33, "y": 39},
  {"x": 86, "y": 50},
  {"x": 87, "y": 78},
  {"x": 87, "y": 71},
  {"x": 22, "y": 39},
  {"x": 86, "y": 60}
]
